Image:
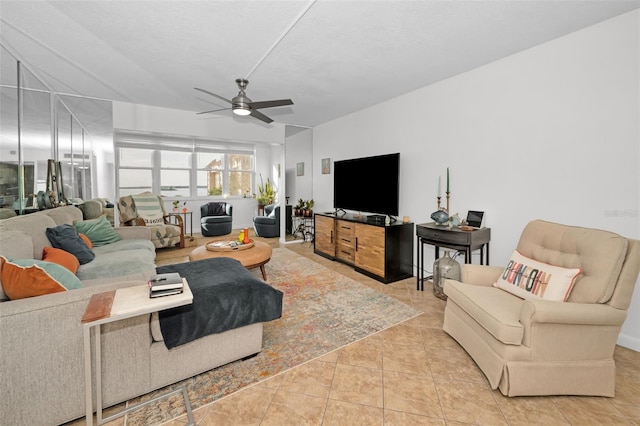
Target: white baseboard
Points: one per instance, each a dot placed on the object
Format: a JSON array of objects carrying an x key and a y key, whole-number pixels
[{"x": 629, "y": 342}]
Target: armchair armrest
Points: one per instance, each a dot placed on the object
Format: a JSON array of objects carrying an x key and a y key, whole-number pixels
[
  {"x": 545, "y": 311},
  {"x": 173, "y": 216},
  {"x": 480, "y": 274}
]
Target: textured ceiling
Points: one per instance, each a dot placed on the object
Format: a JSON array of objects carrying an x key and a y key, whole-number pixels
[{"x": 340, "y": 57}]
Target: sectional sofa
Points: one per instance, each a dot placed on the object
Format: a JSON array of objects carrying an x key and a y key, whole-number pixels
[{"x": 41, "y": 349}]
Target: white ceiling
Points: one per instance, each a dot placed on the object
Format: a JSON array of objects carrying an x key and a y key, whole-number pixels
[{"x": 340, "y": 57}]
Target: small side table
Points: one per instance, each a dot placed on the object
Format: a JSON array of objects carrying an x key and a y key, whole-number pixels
[
  {"x": 303, "y": 225},
  {"x": 190, "y": 215},
  {"x": 456, "y": 239},
  {"x": 117, "y": 305}
]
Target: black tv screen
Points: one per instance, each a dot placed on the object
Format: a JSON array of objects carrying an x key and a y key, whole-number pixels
[{"x": 367, "y": 185}]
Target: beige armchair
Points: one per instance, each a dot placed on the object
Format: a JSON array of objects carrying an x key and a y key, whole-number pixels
[
  {"x": 543, "y": 347},
  {"x": 147, "y": 209}
]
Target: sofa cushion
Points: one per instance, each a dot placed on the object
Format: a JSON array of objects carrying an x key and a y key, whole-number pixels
[
  {"x": 29, "y": 277},
  {"x": 66, "y": 238},
  {"x": 117, "y": 264},
  {"x": 99, "y": 231},
  {"x": 530, "y": 279},
  {"x": 61, "y": 257},
  {"x": 495, "y": 310},
  {"x": 132, "y": 244}
]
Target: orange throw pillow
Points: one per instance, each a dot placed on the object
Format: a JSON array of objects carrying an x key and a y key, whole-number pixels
[
  {"x": 86, "y": 240},
  {"x": 30, "y": 277},
  {"x": 62, "y": 258}
]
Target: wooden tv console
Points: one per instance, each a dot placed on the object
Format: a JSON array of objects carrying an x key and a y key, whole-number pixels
[{"x": 383, "y": 252}]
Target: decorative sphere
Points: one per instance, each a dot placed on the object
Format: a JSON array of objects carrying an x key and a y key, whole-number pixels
[{"x": 440, "y": 217}]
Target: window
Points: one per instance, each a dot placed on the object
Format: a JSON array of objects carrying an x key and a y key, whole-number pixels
[
  {"x": 210, "y": 171},
  {"x": 183, "y": 167},
  {"x": 135, "y": 171},
  {"x": 240, "y": 173},
  {"x": 175, "y": 168}
]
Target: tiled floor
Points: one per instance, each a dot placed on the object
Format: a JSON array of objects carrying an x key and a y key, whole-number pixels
[{"x": 410, "y": 374}]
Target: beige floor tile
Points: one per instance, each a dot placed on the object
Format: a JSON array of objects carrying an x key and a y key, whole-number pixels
[
  {"x": 406, "y": 359},
  {"x": 294, "y": 409},
  {"x": 341, "y": 413},
  {"x": 455, "y": 365},
  {"x": 247, "y": 406},
  {"x": 399, "y": 418},
  {"x": 358, "y": 385},
  {"x": 411, "y": 393},
  {"x": 631, "y": 412},
  {"x": 402, "y": 334},
  {"x": 215, "y": 418},
  {"x": 590, "y": 411},
  {"x": 530, "y": 410},
  {"x": 272, "y": 382},
  {"x": 365, "y": 353},
  {"x": 436, "y": 340},
  {"x": 331, "y": 357},
  {"x": 627, "y": 390},
  {"x": 313, "y": 378},
  {"x": 469, "y": 403}
]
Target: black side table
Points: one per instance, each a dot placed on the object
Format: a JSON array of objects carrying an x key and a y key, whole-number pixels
[{"x": 454, "y": 238}]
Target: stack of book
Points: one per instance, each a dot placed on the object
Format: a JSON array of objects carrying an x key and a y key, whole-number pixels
[{"x": 165, "y": 284}]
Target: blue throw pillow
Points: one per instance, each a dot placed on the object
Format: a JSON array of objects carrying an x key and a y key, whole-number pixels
[{"x": 66, "y": 238}]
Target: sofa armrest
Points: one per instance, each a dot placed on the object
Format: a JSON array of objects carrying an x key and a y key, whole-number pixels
[
  {"x": 480, "y": 274},
  {"x": 134, "y": 232},
  {"x": 546, "y": 311}
]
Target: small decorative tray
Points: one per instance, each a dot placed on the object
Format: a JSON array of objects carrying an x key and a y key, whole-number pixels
[{"x": 221, "y": 245}]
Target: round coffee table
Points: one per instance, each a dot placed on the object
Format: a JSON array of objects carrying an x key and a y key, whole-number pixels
[{"x": 254, "y": 257}]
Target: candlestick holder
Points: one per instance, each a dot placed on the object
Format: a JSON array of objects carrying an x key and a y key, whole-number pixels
[
  {"x": 439, "y": 197},
  {"x": 448, "y": 201}
]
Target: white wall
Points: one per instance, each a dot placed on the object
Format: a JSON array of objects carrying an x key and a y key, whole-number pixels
[
  {"x": 299, "y": 149},
  {"x": 268, "y": 139},
  {"x": 550, "y": 133}
]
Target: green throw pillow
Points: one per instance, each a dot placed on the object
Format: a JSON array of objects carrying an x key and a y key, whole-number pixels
[{"x": 99, "y": 231}]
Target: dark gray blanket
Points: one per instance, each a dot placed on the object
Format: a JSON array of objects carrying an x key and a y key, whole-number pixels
[{"x": 225, "y": 296}]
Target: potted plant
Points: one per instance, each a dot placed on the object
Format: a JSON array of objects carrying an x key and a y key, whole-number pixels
[
  {"x": 267, "y": 192},
  {"x": 297, "y": 210},
  {"x": 308, "y": 208},
  {"x": 175, "y": 203}
]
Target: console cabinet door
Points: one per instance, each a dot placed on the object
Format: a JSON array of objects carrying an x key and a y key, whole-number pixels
[
  {"x": 325, "y": 240},
  {"x": 370, "y": 248}
]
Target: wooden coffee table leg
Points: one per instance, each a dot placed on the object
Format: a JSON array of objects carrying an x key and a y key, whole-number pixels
[{"x": 264, "y": 272}]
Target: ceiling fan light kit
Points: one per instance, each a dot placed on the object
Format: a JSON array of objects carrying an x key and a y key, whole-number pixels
[
  {"x": 242, "y": 105},
  {"x": 241, "y": 110}
]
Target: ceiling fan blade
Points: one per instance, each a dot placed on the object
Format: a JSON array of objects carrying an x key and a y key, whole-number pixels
[
  {"x": 270, "y": 104},
  {"x": 213, "y": 94},
  {"x": 260, "y": 116},
  {"x": 213, "y": 110}
]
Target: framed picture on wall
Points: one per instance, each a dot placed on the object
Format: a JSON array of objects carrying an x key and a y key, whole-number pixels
[
  {"x": 326, "y": 166},
  {"x": 300, "y": 169}
]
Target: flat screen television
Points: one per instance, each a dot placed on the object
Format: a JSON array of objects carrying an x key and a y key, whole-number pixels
[{"x": 367, "y": 185}]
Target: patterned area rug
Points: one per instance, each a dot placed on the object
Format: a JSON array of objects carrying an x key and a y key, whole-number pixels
[{"x": 323, "y": 310}]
